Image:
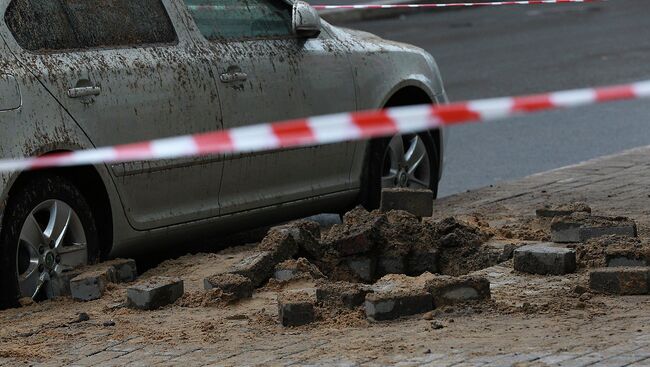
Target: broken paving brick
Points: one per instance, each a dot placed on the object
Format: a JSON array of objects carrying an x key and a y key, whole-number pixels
[
  {"x": 580, "y": 227},
  {"x": 346, "y": 294},
  {"x": 307, "y": 235},
  {"x": 362, "y": 268},
  {"x": 296, "y": 269},
  {"x": 154, "y": 293},
  {"x": 627, "y": 253},
  {"x": 258, "y": 267},
  {"x": 397, "y": 295},
  {"x": 280, "y": 243},
  {"x": 422, "y": 260},
  {"x": 125, "y": 269},
  {"x": 448, "y": 290},
  {"x": 389, "y": 305},
  {"x": 90, "y": 285},
  {"x": 234, "y": 284},
  {"x": 620, "y": 280},
  {"x": 562, "y": 210},
  {"x": 358, "y": 234},
  {"x": 416, "y": 202},
  {"x": 296, "y": 307},
  {"x": 502, "y": 250},
  {"x": 545, "y": 258}
]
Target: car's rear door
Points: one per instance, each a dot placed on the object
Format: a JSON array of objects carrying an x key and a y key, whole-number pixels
[
  {"x": 264, "y": 73},
  {"x": 126, "y": 71}
]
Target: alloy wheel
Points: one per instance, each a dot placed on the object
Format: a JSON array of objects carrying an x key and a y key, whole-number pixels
[
  {"x": 406, "y": 163},
  {"x": 52, "y": 241}
]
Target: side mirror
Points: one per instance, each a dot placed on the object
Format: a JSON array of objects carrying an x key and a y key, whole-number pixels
[{"x": 305, "y": 19}]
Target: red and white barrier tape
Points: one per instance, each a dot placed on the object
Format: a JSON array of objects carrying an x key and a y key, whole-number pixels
[
  {"x": 449, "y": 5},
  {"x": 333, "y": 128}
]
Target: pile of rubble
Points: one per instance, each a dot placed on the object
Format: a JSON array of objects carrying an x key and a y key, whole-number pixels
[{"x": 391, "y": 263}]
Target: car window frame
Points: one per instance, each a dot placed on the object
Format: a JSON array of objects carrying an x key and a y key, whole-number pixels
[
  {"x": 196, "y": 29},
  {"x": 174, "y": 43}
]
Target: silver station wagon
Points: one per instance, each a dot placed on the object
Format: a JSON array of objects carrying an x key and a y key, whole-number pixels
[{"x": 78, "y": 74}]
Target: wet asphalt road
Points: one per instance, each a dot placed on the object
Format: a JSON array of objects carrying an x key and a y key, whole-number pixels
[{"x": 501, "y": 51}]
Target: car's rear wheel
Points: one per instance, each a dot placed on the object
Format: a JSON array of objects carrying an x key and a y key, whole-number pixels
[
  {"x": 408, "y": 161},
  {"x": 48, "y": 229}
]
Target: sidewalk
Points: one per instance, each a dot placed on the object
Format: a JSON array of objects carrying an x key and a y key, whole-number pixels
[{"x": 533, "y": 321}]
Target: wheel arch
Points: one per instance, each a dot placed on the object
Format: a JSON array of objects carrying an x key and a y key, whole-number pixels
[{"x": 92, "y": 186}]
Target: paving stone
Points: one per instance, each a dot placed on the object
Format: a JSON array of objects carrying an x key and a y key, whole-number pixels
[
  {"x": 59, "y": 286},
  {"x": 448, "y": 290},
  {"x": 237, "y": 285},
  {"x": 296, "y": 307},
  {"x": 545, "y": 258},
  {"x": 154, "y": 293},
  {"x": 257, "y": 267},
  {"x": 503, "y": 250},
  {"x": 391, "y": 264},
  {"x": 91, "y": 285},
  {"x": 550, "y": 211},
  {"x": 396, "y": 296},
  {"x": 126, "y": 270},
  {"x": 620, "y": 280},
  {"x": 416, "y": 202},
  {"x": 307, "y": 235},
  {"x": 350, "y": 295},
  {"x": 363, "y": 267},
  {"x": 422, "y": 260},
  {"x": 628, "y": 255},
  {"x": 580, "y": 228},
  {"x": 280, "y": 243},
  {"x": 354, "y": 239},
  {"x": 296, "y": 269}
]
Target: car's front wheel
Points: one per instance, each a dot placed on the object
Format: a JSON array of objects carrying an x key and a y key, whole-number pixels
[
  {"x": 407, "y": 161},
  {"x": 47, "y": 230}
]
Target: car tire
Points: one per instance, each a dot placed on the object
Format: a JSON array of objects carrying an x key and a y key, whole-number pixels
[
  {"x": 377, "y": 168},
  {"x": 51, "y": 206}
]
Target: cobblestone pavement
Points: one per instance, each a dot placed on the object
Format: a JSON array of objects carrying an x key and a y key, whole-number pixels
[{"x": 616, "y": 334}]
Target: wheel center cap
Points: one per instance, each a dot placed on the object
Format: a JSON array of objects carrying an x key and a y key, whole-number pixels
[
  {"x": 402, "y": 179},
  {"x": 49, "y": 259}
]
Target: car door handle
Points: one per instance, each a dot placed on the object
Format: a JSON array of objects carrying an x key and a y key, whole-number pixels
[
  {"x": 78, "y": 92},
  {"x": 233, "y": 76}
]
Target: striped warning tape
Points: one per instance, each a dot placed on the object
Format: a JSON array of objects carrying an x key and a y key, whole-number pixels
[
  {"x": 333, "y": 128},
  {"x": 448, "y": 5}
]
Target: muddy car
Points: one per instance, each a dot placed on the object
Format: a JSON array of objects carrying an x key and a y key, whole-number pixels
[{"x": 80, "y": 74}]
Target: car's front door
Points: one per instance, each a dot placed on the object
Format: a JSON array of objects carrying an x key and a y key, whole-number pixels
[
  {"x": 126, "y": 71},
  {"x": 265, "y": 73}
]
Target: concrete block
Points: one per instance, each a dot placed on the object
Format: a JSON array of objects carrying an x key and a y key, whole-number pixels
[
  {"x": 416, "y": 202},
  {"x": 125, "y": 270},
  {"x": 258, "y": 267},
  {"x": 391, "y": 304},
  {"x": 620, "y": 280},
  {"x": 91, "y": 285},
  {"x": 545, "y": 258},
  {"x": 153, "y": 293},
  {"x": 447, "y": 290},
  {"x": 628, "y": 254},
  {"x": 349, "y": 295},
  {"x": 237, "y": 285},
  {"x": 582, "y": 228},
  {"x": 296, "y": 307}
]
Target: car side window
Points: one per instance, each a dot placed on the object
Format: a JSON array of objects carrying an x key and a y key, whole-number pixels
[
  {"x": 241, "y": 19},
  {"x": 54, "y": 25},
  {"x": 40, "y": 25}
]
